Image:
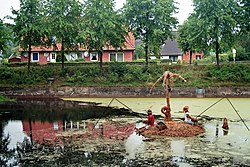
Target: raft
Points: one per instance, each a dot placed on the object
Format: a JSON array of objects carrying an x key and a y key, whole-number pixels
[{"x": 173, "y": 129}]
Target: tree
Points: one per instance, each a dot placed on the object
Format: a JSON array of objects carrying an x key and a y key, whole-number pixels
[
  {"x": 151, "y": 21},
  {"x": 244, "y": 15},
  {"x": 28, "y": 25},
  {"x": 219, "y": 23},
  {"x": 63, "y": 19},
  {"x": 104, "y": 27},
  {"x": 5, "y": 37},
  {"x": 184, "y": 37}
]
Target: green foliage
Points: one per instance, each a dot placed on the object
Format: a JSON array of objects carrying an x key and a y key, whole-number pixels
[
  {"x": 216, "y": 25},
  {"x": 139, "y": 52},
  {"x": 5, "y": 37},
  {"x": 166, "y": 61},
  {"x": 120, "y": 74},
  {"x": 20, "y": 76},
  {"x": 230, "y": 73},
  {"x": 59, "y": 57},
  {"x": 188, "y": 33},
  {"x": 4, "y": 99},
  {"x": 29, "y": 27},
  {"x": 151, "y": 21},
  {"x": 103, "y": 26},
  {"x": 63, "y": 21}
]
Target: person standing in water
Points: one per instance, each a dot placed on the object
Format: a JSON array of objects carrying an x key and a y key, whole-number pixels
[
  {"x": 168, "y": 83},
  {"x": 225, "y": 126}
]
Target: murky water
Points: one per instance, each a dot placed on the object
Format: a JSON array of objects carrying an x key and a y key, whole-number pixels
[{"x": 105, "y": 136}]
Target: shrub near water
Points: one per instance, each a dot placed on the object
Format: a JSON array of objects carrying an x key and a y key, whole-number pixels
[
  {"x": 19, "y": 76},
  {"x": 122, "y": 74}
]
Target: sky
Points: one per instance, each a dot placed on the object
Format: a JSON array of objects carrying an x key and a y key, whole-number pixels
[{"x": 185, "y": 8}]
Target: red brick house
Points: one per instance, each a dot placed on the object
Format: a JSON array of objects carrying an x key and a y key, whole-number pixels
[
  {"x": 43, "y": 55},
  {"x": 195, "y": 56},
  {"x": 170, "y": 51}
]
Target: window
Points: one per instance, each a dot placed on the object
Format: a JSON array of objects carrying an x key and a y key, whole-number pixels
[
  {"x": 93, "y": 56},
  {"x": 173, "y": 58},
  {"x": 53, "y": 56},
  {"x": 198, "y": 57},
  {"x": 116, "y": 57},
  {"x": 112, "y": 57},
  {"x": 120, "y": 57},
  {"x": 35, "y": 57}
]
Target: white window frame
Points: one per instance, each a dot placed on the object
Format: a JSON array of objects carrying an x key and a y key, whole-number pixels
[
  {"x": 37, "y": 57},
  {"x": 91, "y": 56},
  {"x": 198, "y": 57},
  {"x": 51, "y": 57},
  {"x": 116, "y": 55}
]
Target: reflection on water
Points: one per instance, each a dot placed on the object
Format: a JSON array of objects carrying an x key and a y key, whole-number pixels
[
  {"x": 15, "y": 130},
  {"x": 60, "y": 124}
]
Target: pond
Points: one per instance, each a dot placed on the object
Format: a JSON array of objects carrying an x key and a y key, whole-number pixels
[{"x": 101, "y": 132}]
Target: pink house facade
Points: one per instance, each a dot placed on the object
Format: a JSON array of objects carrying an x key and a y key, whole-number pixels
[
  {"x": 195, "y": 56},
  {"x": 43, "y": 55}
]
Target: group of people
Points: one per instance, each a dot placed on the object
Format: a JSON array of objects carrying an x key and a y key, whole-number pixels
[
  {"x": 167, "y": 78},
  {"x": 166, "y": 111}
]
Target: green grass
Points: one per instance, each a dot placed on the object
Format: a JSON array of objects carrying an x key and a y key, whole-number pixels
[
  {"x": 4, "y": 99},
  {"x": 121, "y": 74}
]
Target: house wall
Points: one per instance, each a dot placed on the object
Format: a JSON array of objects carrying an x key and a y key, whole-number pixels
[
  {"x": 186, "y": 56},
  {"x": 105, "y": 56},
  {"x": 128, "y": 56},
  {"x": 45, "y": 58},
  {"x": 42, "y": 58}
]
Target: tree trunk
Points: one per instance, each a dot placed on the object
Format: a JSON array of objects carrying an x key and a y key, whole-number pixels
[
  {"x": 217, "y": 46},
  {"x": 190, "y": 56},
  {"x": 146, "y": 48},
  {"x": 100, "y": 53},
  {"x": 29, "y": 57},
  {"x": 62, "y": 53}
]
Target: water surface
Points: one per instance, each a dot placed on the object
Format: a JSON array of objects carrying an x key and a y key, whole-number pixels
[{"x": 108, "y": 132}]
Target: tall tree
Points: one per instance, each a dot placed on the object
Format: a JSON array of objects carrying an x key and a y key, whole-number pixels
[
  {"x": 28, "y": 27},
  {"x": 152, "y": 21},
  {"x": 187, "y": 34},
  {"x": 104, "y": 27},
  {"x": 5, "y": 37},
  {"x": 220, "y": 24},
  {"x": 244, "y": 15},
  {"x": 63, "y": 20}
]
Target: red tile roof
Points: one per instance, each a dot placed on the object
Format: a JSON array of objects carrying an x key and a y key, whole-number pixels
[{"x": 129, "y": 45}]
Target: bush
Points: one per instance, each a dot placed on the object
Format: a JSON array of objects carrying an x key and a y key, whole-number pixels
[
  {"x": 126, "y": 75},
  {"x": 166, "y": 61}
]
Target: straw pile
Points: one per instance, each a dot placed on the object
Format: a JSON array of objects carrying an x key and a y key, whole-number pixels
[{"x": 173, "y": 129}]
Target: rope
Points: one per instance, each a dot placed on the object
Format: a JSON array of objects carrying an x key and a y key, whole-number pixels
[
  {"x": 238, "y": 114},
  {"x": 126, "y": 106},
  {"x": 103, "y": 113},
  {"x": 210, "y": 107}
]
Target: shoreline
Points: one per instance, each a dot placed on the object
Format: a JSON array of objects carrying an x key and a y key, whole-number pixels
[{"x": 125, "y": 91}]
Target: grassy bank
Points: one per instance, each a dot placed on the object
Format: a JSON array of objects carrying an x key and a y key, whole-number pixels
[
  {"x": 121, "y": 74},
  {"x": 4, "y": 99}
]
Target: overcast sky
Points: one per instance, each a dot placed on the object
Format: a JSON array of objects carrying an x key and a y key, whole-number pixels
[{"x": 185, "y": 7}]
